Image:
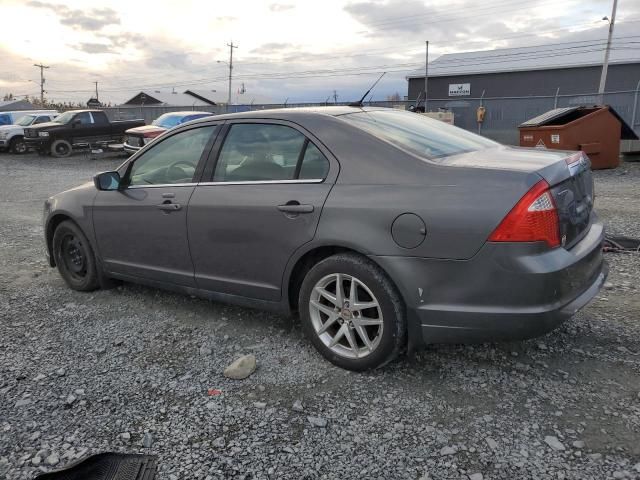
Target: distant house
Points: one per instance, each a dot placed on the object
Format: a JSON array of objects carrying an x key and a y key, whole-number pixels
[
  {"x": 11, "y": 105},
  {"x": 170, "y": 99},
  {"x": 195, "y": 98}
]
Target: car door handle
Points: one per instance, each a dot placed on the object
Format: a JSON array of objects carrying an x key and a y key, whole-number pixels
[
  {"x": 295, "y": 208},
  {"x": 169, "y": 207}
]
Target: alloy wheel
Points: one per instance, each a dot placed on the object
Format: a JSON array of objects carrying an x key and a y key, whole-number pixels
[{"x": 346, "y": 315}]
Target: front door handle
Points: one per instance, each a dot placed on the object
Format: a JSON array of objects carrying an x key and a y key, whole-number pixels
[
  {"x": 169, "y": 207},
  {"x": 295, "y": 208}
]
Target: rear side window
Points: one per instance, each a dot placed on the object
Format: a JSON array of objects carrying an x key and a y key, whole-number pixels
[
  {"x": 418, "y": 134},
  {"x": 268, "y": 152}
]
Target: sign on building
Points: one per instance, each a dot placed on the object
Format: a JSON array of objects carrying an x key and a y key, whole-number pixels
[{"x": 459, "y": 89}]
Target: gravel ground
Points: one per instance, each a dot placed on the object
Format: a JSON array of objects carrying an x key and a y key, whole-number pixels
[{"x": 129, "y": 370}]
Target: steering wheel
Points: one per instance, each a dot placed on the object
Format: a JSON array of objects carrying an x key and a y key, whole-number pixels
[{"x": 181, "y": 173}]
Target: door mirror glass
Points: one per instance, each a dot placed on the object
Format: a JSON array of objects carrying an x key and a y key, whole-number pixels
[{"x": 107, "y": 181}]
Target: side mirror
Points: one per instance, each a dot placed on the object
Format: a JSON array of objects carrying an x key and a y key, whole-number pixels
[{"x": 107, "y": 181}]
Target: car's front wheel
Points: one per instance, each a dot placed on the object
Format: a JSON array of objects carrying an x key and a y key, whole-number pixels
[
  {"x": 18, "y": 146},
  {"x": 74, "y": 257},
  {"x": 352, "y": 312}
]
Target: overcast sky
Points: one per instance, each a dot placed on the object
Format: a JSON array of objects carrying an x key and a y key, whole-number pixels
[{"x": 300, "y": 50}]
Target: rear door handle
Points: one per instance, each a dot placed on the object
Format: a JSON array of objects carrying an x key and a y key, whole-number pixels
[
  {"x": 169, "y": 207},
  {"x": 295, "y": 208}
]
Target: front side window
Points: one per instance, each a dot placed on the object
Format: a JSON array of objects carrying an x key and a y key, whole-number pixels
[
  {"x": 174, "y": 160},
  {"x": 418, "y": 134},
  {"x": 263, "y": 152},
  {"x": 42, "y": 120}
]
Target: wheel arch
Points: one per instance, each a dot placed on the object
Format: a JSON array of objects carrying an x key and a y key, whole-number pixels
[
  {"x": 308, "y": 259},
  {"x": 52, "y": 224}
]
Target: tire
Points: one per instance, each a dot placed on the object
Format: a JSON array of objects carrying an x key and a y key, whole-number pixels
[
  {"x": 378, "y": 303},
  {"x": 61, "y": 148},
  {"x": 18, "y": 146},
  {"x": 74, "y": 257}
]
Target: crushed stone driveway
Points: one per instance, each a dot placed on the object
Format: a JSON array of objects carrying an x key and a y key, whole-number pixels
[{"x": 134, "y": 369}]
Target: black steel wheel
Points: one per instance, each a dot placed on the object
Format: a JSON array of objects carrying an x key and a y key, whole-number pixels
[
  {"x": 61, "y": 148},
  {"x": 74, "y": 257}
]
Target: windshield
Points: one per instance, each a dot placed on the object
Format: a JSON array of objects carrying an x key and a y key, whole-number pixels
[
  {"x": 26, "y": 120},
  {"x": 168, "y": 120},
  {"x": 65, "y": 117},
  {"x": 418, "y": 134}
]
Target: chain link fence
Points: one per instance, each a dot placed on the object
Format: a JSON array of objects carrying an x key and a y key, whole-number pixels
[{"x": 502, "y": 116}]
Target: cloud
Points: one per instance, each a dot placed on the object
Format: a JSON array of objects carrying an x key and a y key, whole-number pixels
[
  {"x": 273, "y": 47},
  {"x": 89, "y": 47},
  {"x": 280, "y": 7},
  {"x": 90, "y": 20}
]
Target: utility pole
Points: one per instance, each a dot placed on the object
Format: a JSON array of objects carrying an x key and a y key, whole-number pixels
[
  {"x": 41, "y": 67},
  {"x": 426, "y": 76},
  {"x": 97, "y": 91},
  {"x": 605, "y": 64},
  {"x": 231, "y": 47},
  {"x": 335, "y": 96}
]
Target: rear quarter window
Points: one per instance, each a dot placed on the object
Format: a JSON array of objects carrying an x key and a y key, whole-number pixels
[{"x": 417, "y": 134}]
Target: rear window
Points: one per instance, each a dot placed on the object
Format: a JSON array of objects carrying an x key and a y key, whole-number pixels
[{"x": 418, "y": 134}]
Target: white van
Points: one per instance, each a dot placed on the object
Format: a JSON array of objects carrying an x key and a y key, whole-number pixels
[{"x": 12, "y": 134}]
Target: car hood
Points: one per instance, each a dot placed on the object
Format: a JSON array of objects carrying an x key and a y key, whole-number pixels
[
  {"x": 46, "y": 125},
  {"x": 145, "y": 129}
]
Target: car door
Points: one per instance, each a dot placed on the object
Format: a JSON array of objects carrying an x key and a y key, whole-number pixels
[
  {"x": 263, "y": 201},
  {"x": 141, "y": 229}
]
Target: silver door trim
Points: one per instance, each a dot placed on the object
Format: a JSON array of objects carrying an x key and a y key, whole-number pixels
[
  {"x": 264, "y": 182},
  {"x": 162, "y": 185}
]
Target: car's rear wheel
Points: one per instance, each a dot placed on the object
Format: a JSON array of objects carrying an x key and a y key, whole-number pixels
[
  {"x": 60, "y": 148},
  {"x": 74, "y": 257},
  {"x": 352, "y": 312},
  {"x": 18, "y": 146}
]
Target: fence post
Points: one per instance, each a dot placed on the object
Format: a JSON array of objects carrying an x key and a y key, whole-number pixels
[
  {"x": 635, "y": 106},
  {"x": 555, "y": 101},
  {"x": 480, "y": 123}
]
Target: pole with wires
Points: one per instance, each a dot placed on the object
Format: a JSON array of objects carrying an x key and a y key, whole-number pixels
[
  {"x": 231, "y": 47},
  {"x": 426, "y": 76},
  {"x": 605, "y": 64},
  {"x": 41, "y": 67}
]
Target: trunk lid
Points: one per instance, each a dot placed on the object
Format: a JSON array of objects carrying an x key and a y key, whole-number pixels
[{"x": 568, "y": 174}]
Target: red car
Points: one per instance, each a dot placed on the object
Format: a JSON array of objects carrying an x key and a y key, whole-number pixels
[{"x": 136, "y": 138}]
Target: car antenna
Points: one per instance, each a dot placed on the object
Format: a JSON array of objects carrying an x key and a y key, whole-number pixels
[{"x": 359, "y": 102}]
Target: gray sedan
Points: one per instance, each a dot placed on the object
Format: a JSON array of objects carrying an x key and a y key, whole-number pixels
[{"x": 384, "y": 230}]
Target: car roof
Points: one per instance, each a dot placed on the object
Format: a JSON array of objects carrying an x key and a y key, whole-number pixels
[
  {"x": 182, "y": 114},
  {"x": 292, "y": 113}
]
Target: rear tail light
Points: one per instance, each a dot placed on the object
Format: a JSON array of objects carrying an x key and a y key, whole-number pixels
[
  {"x": 533, "y": 219},
  {"x": 148, "y": 136}
]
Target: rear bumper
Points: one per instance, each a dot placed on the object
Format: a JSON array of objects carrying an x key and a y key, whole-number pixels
[{"x": 505, "y": 292}]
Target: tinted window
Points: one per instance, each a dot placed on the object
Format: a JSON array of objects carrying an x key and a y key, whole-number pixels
[
  {"x": 255, "y": 152},
  {"x": 417, "y": 133},
  {"x": 174, "y": 160},
  {"x": 42, "y": 120},
  {"x": 314, "y": 164},
  {"x": 5, "y": 120}
]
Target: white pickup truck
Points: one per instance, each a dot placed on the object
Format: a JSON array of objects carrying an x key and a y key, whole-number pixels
[{"x": 12, "y": 136}]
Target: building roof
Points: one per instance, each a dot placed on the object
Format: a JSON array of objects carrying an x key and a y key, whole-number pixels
[
  {"x": 15, "y": 104},
  {"x": 540, "y": 57},
  {"x": 170, "y": 99}
]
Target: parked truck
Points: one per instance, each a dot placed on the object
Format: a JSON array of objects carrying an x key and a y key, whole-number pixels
[
  {"x": 12, "y": 135},
  {"x": 75, "y": 129}
]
